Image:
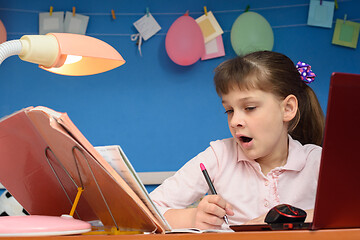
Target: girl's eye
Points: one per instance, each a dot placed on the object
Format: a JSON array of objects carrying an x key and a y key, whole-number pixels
[
  {"x": 229, "y": 111},
  {"x": 250, "y": 108}
]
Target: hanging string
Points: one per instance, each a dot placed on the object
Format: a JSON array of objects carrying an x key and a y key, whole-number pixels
[
  {"x": 173, "y": 13},
  {"x": 169, "y": 13}
]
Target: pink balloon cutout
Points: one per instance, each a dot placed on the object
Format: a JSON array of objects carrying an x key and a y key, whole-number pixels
[
  {"x": 3, "y": 35},
  {"x": 184, "y": 41}
]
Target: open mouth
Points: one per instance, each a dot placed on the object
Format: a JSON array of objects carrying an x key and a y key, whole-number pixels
[{"x": 245, "y": 139}]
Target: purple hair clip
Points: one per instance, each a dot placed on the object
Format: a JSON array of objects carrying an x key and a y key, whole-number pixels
[{"x": 305, "y": 72}]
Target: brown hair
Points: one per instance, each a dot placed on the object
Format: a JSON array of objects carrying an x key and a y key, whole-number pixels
[{"x": 277, "y": 74}]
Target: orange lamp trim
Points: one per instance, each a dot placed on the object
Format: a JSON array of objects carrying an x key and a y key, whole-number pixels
[{"x": 97, "y": 56}]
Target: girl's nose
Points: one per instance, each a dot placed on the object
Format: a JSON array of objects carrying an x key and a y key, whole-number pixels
[{"x": 237, "y": 120}]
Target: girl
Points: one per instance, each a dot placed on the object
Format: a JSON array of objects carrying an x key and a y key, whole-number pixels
[{"x": 273, "y": 157}]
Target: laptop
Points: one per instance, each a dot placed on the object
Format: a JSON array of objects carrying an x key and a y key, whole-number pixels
[{"x": 338, "y": 191}]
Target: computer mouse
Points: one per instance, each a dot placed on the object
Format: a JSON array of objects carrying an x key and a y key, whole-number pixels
[{"x": 285, "y": 213}]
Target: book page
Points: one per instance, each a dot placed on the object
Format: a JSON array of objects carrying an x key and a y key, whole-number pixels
[{"x": 116, "y": 157}]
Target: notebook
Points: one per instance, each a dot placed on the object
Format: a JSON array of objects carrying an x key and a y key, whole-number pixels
[{"x": 338, "y": 191}]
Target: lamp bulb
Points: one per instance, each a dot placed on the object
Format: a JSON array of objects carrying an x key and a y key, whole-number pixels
[{"x": 72, "y": 59}]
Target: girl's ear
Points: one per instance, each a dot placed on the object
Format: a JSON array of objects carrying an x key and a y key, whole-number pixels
[{"x": 290, "y": 107}]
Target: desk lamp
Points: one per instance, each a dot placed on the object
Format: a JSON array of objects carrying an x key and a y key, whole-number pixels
[{"x": 64, "y": 53}]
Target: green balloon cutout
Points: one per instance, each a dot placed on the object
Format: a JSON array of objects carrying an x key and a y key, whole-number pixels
[{"x": 251, "y": 32}]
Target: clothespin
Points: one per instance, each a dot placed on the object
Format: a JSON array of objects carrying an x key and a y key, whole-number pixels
[
  {"x": 247, "y": 8},
  {"x": 205, "y": 10},
  {"x": 51, "y": 10},
  {"x": 345, "y": 17},
  {"x": 73, "y": 11},
  {"x": 147, "y": 12},
  {"x": 113, "y": 14},
  {"x": 336, "y": 4},
  {"x": 187, "y": 13}
]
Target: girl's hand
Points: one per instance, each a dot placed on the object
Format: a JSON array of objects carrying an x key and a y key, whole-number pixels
[{"x": 210, "y": 212}]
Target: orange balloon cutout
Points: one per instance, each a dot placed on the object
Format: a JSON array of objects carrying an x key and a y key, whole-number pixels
[
  {"x": 3, "y": 34},
  {"x": 184, "y": 41}
]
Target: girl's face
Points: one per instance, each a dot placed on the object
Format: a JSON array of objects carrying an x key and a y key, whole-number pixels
[{"x": 256, "y": 121}]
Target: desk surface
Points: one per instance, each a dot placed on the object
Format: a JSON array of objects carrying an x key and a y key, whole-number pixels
[{"x": 343, "y": 234}]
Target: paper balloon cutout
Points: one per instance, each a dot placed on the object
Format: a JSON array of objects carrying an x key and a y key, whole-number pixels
[
  {"x": 3, "y": 34},
  {"x": 251, "y": 32},
  {"x": 184, "y": 41}
]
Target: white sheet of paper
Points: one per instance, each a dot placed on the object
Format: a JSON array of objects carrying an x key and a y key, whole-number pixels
[
  {"x": 147, "y": 26},
  {"x": 211, "y": 47},
  {"x": 75, "y": 24},
  {"x": 53, "y": 23},
  {"x": 214, "y": 49}
]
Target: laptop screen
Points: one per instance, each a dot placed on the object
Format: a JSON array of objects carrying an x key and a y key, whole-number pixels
[{"x": 338, "y": 192}]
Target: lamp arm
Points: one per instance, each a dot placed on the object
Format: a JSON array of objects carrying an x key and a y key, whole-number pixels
[{"x": 9, "y": 48}]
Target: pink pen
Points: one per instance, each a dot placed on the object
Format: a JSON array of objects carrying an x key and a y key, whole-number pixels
[{"x": 211, "y": 186}]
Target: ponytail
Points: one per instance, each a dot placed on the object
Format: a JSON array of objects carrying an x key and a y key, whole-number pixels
[{"x": 310, "y": 127}]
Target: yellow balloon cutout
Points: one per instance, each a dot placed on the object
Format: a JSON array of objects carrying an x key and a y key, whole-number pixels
[{"x": 251, "y": 32}]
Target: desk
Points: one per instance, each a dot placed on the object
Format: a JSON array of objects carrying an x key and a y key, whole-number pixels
[{"x": 342, "y": 234}]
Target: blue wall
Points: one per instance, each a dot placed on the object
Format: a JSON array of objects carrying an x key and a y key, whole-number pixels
[{"x": 160, "y": 113}]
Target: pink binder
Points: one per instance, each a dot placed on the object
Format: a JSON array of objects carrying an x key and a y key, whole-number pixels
[{"x": 45, "y": 158}]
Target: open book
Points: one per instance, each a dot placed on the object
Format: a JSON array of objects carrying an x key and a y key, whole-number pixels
[
  {"x": 45, "y": 158},
  {"x": 117, "y": 159}
]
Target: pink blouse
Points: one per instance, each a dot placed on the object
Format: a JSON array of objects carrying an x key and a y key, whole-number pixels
[{"x": 241, "y": 183}]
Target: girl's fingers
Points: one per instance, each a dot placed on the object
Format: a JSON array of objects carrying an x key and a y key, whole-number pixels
[{"x": 211, "y": 212}]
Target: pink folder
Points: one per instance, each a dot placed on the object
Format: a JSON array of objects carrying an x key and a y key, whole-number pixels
[{"x": 44, "y": 158}]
